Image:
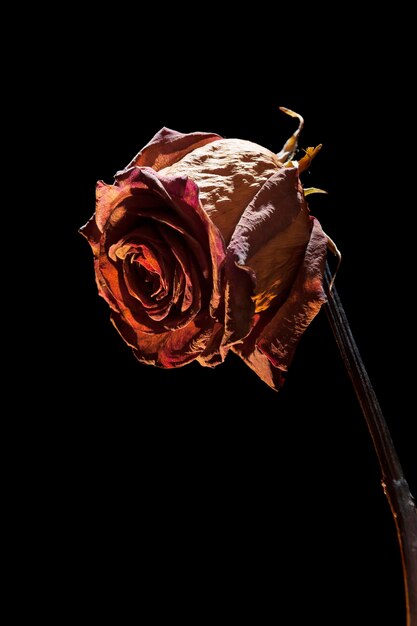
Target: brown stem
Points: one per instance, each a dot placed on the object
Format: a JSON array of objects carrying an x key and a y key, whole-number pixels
[{"x": 393, "y": 481}]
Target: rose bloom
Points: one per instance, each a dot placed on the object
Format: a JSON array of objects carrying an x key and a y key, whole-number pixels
[{"x": 204, "y": 245}]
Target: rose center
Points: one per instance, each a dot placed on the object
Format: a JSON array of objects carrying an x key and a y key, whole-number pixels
[
  {"x": 149, "y": 280},
  {"x": 149, "y": 272}
]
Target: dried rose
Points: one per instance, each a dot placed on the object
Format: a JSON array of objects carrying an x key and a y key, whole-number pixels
[{"x": 206, "y": 244}]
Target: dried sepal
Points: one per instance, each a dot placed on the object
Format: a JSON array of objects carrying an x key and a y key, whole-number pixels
[
  {"x": 308, "y": 191},
  {"x": 290, "y": 146}
]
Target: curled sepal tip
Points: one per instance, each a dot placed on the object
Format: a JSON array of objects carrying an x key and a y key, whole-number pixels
[
  {"x": 290, "y": 146},
  {"x": 310, "y": 153}
]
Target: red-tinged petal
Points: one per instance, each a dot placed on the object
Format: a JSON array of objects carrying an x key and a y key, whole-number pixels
[
  {"x": 169, "y": 349},
  {"x": 146, "y": 267},
  {"x": 143, "y": 284},
  {"x": 182, "y": 194},
  {"x": 163, "y": 314},
  {"x": 148, "y": 233},
  {"x": 168, "y": 146},
  {"x": 275, "y": 341},
  {"x": 116, "y": 208},
  {"x": 187, "y": 192},
  {"x": 103, "y": 290},
  {"x": 133, "y": 311},
  {"x": 187, "y": 264},
  {"x": 179, "y": 209},
  {"x": 178, "y": 193},
  {"x": 195, "y": 291}
]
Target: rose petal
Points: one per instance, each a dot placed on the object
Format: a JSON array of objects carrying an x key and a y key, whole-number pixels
[
  {"x": 169, "y": 203},
  {"x": 276, "y": 264},
  {"x": 107, "y": 197},
  {"x": 154, "y": 271},
  {"x": 181, "y": 193},
  {"x": 91, "y": 232},
  {"x": 272, "y": 210},
  {"x": 129, "y": 306},
  {"x": 259, "y": 363},
  {"x": 178, "y": 193},
  {"x": 103, "y": 289},
  {"x": 168, "y": 146},
  {"x": 169, "y": 349},
  {"x": 254, "y": 246},
  {"x": 238, "y": 302},
  {"x": 272, "y": 344},
  {"x": 229, "y": 173},
  {"x": 215, "y": 352},
  {"x": 193, "y": 280}
]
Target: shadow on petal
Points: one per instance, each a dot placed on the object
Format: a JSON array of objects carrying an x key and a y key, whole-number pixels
[{"x": 271, "y": 345}]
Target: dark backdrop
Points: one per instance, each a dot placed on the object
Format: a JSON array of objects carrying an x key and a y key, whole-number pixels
[{"x": 202, "y": 493}]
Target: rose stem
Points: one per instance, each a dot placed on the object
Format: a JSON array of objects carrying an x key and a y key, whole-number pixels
[{"x": 393, "y": 481}]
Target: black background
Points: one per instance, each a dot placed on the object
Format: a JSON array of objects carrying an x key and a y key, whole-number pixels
[{"x": 202, "y": 493}]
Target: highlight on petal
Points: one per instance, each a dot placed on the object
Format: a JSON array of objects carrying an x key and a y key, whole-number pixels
[
  {"x": 229, "y": 173},
  {"x": 169, "y": 146},
  {"x": 107, "y": 197}
]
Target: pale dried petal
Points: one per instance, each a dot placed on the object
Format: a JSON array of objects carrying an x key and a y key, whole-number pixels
[{"x": 229, "y": 173}]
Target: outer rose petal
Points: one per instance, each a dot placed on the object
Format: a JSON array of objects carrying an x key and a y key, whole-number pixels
[
  {"x": 214, "y": 353},
  {"x": 275, "y": 206},
  {"x": 170, "y": 349},
  {"x": 91, "y": 232},
  {"x": 268, "y": 243},
  {"x": 108, "y": 197},
  {"x": 270, "y": 347},
  {"x": 229, "y": 173},
  {"x": 168, "y": 146}
]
